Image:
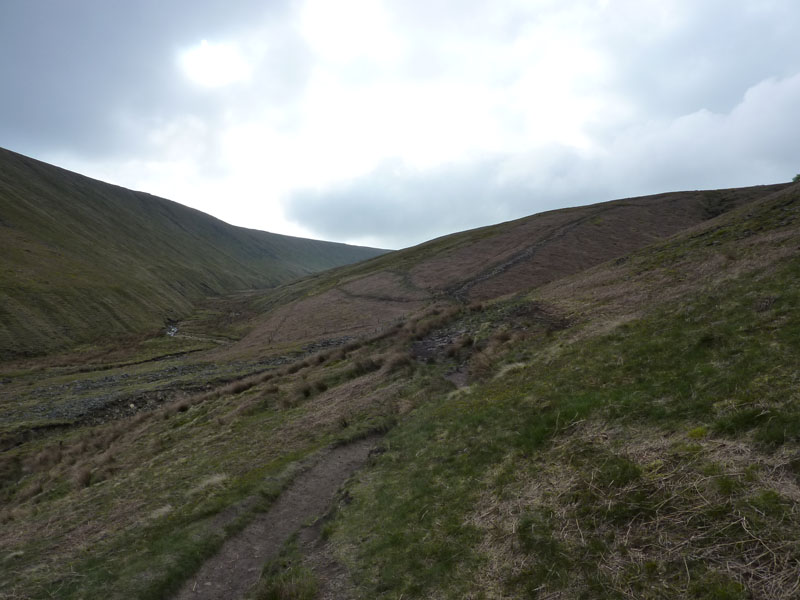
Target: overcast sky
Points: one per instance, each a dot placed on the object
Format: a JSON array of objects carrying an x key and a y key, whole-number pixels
[{"x": 389, "y": 122}]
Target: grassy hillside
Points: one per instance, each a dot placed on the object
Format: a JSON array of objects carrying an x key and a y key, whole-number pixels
[
  {"x": 80, "y": 258},
  {"x": 476, "y": 265},
  {"x": 645, "y": 447},
  {"x": 627, "y": 430}
]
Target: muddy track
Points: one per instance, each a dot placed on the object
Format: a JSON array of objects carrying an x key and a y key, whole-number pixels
[
  {"x": 712, "y": 209},
  {"x": 378, "y": 297},
  {"x": 461, "y": 291},
  {"x": 237, "y": 566}
]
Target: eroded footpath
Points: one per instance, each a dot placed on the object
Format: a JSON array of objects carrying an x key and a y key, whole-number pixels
[{"x": 237, "y": 567}]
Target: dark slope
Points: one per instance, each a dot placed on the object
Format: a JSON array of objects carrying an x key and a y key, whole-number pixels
[
  {"x": 81, "y": 258},
  {"x": 645, "y": 447},
  {"x": 482, "y": 264}
]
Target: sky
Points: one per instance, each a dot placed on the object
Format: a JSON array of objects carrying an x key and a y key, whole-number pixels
[{"x": 391, "y": 122}]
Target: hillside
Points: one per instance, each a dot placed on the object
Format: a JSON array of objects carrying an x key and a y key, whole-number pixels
[
  {"x": 585, "y": 428},
  {"x": 477, "y": 265},
  {"x": 81, "y": 259}
]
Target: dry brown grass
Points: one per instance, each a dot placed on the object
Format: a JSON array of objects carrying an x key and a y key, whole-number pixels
[
  {"x": 48, "y": 457},
  {"x": 609, "y": 295},
  {"x": 246, "y": 407},
  {"x": 137, "y": 466},
  {"x": 564, "y": 242},
  {"x": 386, "y": 286},
  {"x": 327, "y": 315},
  {"x": 675, "y": 532},
  {"x": 82, "y": 476},
  {"x": 542, "y": 248},
  {"x": 397, "y": 361},
  {"x": 346, "y": 401},
  {"x": 483, "y": 360},
  {"x": 237, "y": 387},
  {"x": 481, "y": 366},
  {"x": 152, "y": 461}
]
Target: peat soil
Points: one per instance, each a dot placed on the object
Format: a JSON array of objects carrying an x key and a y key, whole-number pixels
[
  {"x": 43, "y": 403},
  {"x": 454, "y": 344},
  {"x": 333, "y": 581},
  {"x": 237, "y": 567}
]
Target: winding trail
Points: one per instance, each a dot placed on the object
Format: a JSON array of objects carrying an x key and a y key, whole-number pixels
[
  {"x": 237, "y": 566},
  {"x": 460, "y": 291}
]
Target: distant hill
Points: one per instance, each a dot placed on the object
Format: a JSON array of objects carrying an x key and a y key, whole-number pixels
[
  {"x": 480, "y": 264},
  {"x": 80, "y": 258}
]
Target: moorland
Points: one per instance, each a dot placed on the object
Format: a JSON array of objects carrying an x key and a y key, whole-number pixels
[{"x": 593, "y": 402}]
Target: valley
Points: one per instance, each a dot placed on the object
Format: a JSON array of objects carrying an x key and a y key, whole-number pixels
[
  {"x": 592, "y": 402},
  {"x": 82, "y": 260}
]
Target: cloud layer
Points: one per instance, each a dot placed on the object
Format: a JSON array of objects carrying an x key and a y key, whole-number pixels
[{"x": 392, "y": 122}]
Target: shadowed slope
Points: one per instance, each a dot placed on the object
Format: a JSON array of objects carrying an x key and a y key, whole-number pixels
[
  {"x": 645, "y": 448},
  {"x": 480, "y": 264},
  {"x": 80, "y": 258}
]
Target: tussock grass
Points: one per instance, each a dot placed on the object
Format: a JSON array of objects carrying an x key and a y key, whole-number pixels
[
  {"x": 650, "y": 459},
  {"x": 286, "y": 578},
  {"x": 364, "y": 366},
  {"x": 397, "y": 361},
  {"x": 639, "y": 452},
  {"x": 109, "y": 484}
]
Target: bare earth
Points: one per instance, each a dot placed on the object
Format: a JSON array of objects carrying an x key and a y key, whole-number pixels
[{"x": 237, "y": 567}]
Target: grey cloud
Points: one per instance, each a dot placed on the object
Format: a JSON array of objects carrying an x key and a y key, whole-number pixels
[
  {"x": 75, "y": 73},
  {"x": 401, "y": 206},
  {"x": 715, "y": 52},
  {"x": 94, "y": 77},
  {"x": 755, "y": 143},
  {"x": 718, "y": 51}
]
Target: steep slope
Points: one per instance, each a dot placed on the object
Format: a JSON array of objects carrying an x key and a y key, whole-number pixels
[
  {"x": 630, "y": 430},
  {"x": 479, "y": 265},
  {"x": 80, "y": 258}
]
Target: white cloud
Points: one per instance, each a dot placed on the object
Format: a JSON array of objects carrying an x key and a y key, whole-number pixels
[
  {"x": 348, "y": 30},
  {"x": 405, "y": 102},
  {"x": 754, "y": 143},
  {"x": 215, "y": 64}
]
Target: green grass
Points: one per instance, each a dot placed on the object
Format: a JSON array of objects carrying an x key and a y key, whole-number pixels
[
  {"x": 651, "y": 459},
  {"x": 286, "y": 577},
  {"x": 553, "y": 477},
  {"x": 158, "y": 558},
  {"x": 81, "y": 259},
  {"x": 136, "y": 505}
]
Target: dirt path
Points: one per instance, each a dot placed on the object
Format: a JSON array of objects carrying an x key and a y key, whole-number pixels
[
  {"x": 461, "y": 291},
  {"x": 333, "y": 582},
  {"x": 237, "y": 567}
]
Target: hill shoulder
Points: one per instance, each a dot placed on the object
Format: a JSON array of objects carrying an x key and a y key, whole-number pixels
[{"x": 80, "y": 258}]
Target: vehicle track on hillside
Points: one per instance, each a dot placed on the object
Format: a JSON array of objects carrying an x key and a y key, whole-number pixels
[
  {"x": 236, "y": 568},
  {"x": 461, "y": 291}
]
